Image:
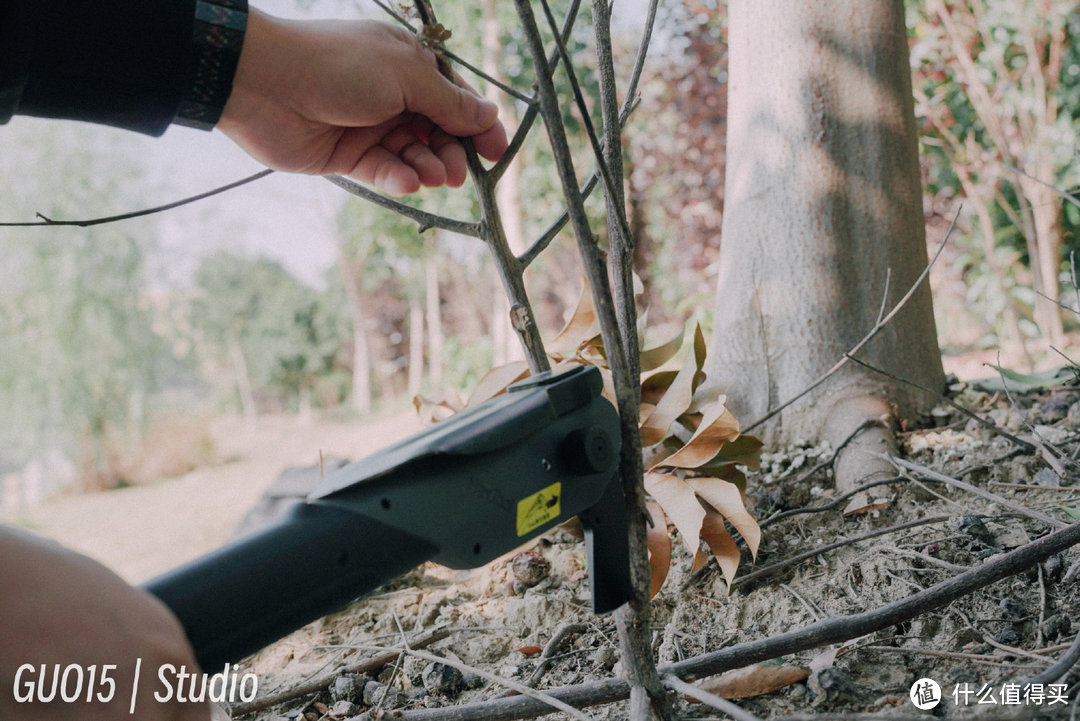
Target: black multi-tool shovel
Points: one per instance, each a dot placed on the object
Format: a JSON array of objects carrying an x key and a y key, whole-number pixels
[{"x": 461, "y": 493}]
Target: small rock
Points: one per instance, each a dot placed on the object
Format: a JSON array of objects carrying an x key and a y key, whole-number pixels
[
  {"x": 1046, "y": 477},
  {"x": 1054, "y": 409},
  {"x": 1072, "y": 418},
  {"x": 1054, "y": 566},
  {"x": 1057, "y": 626},
  {"x": 831, "y": 687},
  {"x": 530, "y": 568},
  {"x": 442, "y": 680},
  {"x": 1012, "y": 608},
  {"x": 1009, "y": 637},
  {"x": 378, "y": 694},
  {"x": 413, "y": 668},
  {"x": 348, "y": 687},
  {"x": 343, "y": 709},
  {"x": 974, "y": 527},
  {"x": 1020, "y": 470},
  {"x": 605, "y": 658}
]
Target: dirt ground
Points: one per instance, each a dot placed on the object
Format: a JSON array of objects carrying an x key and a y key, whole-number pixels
[{"x": 977, "y": 648}]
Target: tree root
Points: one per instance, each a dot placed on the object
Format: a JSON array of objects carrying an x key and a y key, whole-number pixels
[{"x": 861, "y": 429}]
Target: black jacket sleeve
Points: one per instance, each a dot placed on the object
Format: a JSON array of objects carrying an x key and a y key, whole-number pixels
[{"x": 125, "y": 63}]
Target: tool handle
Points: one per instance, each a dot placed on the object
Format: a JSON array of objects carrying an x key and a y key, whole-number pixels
[{"x": 248, "y": 594}]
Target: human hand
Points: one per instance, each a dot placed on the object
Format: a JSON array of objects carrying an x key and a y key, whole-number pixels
[
  {"x": 358, "y": 98},
  {"x": 59, "y": 608}
]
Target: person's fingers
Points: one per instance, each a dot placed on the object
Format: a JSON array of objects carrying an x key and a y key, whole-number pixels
[
  {"x": 491, "y": 143},
  {"x": 387, "y": 172},
  {"x": 452, "y": 155},
  {"x": 407, "y": 144},
  {"x": 457, "y": 110}
]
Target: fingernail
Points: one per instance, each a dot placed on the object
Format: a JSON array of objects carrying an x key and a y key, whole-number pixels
[{"x": 487, "y": 113}]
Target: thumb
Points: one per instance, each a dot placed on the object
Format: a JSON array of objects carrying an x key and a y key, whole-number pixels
[{"x": 456, "y": 109}]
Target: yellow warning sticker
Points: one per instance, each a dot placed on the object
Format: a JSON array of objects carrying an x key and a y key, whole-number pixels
[{"x": 539, "y": 508}]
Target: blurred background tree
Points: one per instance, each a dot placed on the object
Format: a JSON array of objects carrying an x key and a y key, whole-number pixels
[
  {"x": 94, "y": 344},
  {"x": 998, "y": 90}
]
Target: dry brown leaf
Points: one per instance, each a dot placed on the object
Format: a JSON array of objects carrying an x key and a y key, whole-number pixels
[
  {"x": 434, "y": 407},
  {"x": 681, "y": 504},
  {"x": 731, "y": 474},
  {"x": 719, "y": 426},
  {"x": 496, "y": 380},
  {"x": 655, "y": 386},
  {"x": 726, "y": 498},
  {"x": 744, "y": 451},
  {"x": 862, "y": 503},
  {"x": 653, "y": 358},
  {"x": 659, "y": 542},
  {"x": 609, "y": 386},
  {"x": 721, "y": 544},
  {"x": 678, "y": 396},
  {"x": 581, "y": 327},
  {"x": 752, "y": 681},
  {"x": 653, "y": 456}
]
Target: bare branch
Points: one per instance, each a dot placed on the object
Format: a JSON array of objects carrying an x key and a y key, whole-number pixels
[
  {"x": 583, "y": 108},
  {"x": 1061, "y": 193},
  {"x": 629, "y": 104},
  {"x": 422, "y": 218},
  {"x": 401, "y": 19},
  {"x": 533, "y": 110},
  {"x": 449, "y": 55},
  {"x": 491, "y": 230},
  {"x": 139, "y": 213}
]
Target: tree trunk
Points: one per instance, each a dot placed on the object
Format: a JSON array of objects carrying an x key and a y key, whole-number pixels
[
  {"x": 361, "y": 370},
  {"x": 416, "y": 346},
  {"x": 435, "y": 335},
  {"x": 508, "y": 191},
  {"x": 1044, "y": 251},
  {"x": 823, "y": 216},
  {"x": 243, "y": 380}
]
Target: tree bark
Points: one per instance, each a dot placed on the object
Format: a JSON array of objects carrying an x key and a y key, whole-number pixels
[
  {"x": 361, "y": 370},
  {"x": 243, "y": 380},
  {"x": 433, "y": 314},
  {"x": 416, "y": 346},
  {"x": 823, "y": 215}
]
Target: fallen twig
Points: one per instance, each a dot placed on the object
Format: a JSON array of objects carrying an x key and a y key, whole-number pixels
[
  {"x": 932, "y": 475},
  {"x": 806, "y": 555},
  {"x": 320, "y": 682},
  {"x": 1060, "y": 667},
  {"x": 985, "y": 422},
  {"x": 548, "y": 700},
  {"x": 709, "y": 699},
  {"x": 835, "y": 503},
  {"x": 551, "y": 648},
  {"x": 822, "y": 633}
]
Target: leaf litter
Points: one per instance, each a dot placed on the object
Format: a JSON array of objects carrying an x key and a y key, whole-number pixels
[{"x": 998, "y": 636}]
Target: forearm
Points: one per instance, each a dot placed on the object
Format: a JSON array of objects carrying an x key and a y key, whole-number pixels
[{"x": 133, "y": 64}]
